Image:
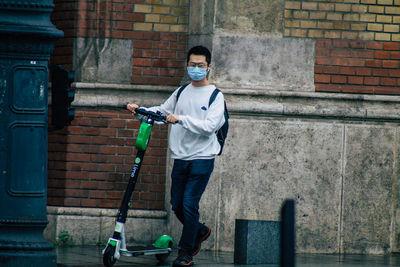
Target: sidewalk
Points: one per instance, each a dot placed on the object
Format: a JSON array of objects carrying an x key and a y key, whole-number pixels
[{"x": 90, "y": 256}]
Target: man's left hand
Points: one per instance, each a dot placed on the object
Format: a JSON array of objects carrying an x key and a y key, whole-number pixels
[{"x": 172, "y": 118}]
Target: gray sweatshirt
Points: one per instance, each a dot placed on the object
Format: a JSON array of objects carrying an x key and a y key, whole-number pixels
[{"x": 193, "y": 137}]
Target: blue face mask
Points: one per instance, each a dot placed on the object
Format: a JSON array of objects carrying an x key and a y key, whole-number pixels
[{"x": 196, "y": 74}]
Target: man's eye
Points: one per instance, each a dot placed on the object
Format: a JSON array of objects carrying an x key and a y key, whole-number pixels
[{"x": 200, "y": 65}]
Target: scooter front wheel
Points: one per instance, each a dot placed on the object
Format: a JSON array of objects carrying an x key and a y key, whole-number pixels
[
  {"x": 108, "y": 256},
  {"x": 163, "y": 257}
]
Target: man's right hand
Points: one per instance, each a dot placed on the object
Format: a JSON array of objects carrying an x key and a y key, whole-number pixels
[{"x": 132, "y": 108}]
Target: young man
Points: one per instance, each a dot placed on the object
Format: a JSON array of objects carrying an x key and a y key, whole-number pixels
[{"x": 193, "y": 146}]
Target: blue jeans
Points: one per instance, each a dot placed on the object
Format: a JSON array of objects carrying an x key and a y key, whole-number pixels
[{"x": 189, "y": 180}]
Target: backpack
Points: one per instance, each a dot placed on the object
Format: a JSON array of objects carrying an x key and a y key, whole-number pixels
[{"x": 221, "y": 132}]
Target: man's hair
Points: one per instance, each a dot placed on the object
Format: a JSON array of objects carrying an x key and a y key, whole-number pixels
[{"x": 199, "y": 51}]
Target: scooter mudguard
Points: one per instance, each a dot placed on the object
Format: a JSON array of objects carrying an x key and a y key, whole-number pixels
[
  {"x": 143, "y": 136},
  {"x": 163, "y": 241},
  {"x": 114, "y": 243}
]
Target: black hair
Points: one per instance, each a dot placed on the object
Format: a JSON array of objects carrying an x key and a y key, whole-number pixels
[{"x": 199, "y": 51}]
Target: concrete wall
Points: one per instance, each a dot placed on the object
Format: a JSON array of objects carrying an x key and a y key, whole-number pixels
[
  {"x": 92, "y": 226},
  {"x": 337, "y": 155},
  {"x": 250, "y": 52},
  {"x": 340, "y": 167},
  {"x": 247, "y": 45},
  {"x": 103, "y": 60}
]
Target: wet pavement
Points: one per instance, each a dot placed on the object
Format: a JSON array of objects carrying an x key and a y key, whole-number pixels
[{"x": 90, "y": 256}]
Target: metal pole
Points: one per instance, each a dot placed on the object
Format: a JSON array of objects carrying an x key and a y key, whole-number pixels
[
  {"x": 27, "y": 39},
  {"x": 288, "y": 234}
]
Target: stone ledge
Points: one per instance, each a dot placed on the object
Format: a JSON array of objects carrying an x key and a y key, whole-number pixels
[
  {"x": 253, "y": 102},
  {"x": 116, "y": 95},
  {"x": 98, "y": 212},
  {"x": 115, "y": 86},
  {"x": 314, "y": 95},
  {"x": 241, "y": 92}
]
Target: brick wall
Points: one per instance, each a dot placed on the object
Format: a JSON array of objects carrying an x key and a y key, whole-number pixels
[
  {"x": 64, "y": 17},
  {"x": 356, "y": 48},
  {"x": 347, "y": 19},
  {"x": 158, "y": 29},
  {"x": 357, "y": 67},
  {"x": 91, "y": 160},
  {"x": 159, "y": 58}
]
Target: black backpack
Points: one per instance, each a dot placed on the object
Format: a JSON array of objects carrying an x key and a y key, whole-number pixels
[{"x": 223, "y": 131}]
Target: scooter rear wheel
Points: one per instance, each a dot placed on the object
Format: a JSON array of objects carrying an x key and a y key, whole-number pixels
[{"x": 108, "y": 256}]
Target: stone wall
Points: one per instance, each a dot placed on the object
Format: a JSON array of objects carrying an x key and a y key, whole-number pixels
[
  {"x": 341, "y": 168},
  {"x": 335, "y": 152},
  {"x": 109, "y": 41},
  {"x": 118, "y": 51},
  {"x": 113, "y": 47},
  {"x": 348, "y": 47}
]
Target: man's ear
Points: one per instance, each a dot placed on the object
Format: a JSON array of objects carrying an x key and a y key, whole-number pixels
[{"x": 208, "y": 68}]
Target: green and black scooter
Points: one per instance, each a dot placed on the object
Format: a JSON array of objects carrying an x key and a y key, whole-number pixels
[{"x": 116, "y": 245}]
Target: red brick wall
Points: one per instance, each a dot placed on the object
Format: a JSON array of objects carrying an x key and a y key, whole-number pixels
[
  {"x": 368, "y": 67},
  {"x": 158, "y": 29},
  {"x": 357, "y": 46},
  {"x": 159, "y": 59},
  {"x": 64, "y": 17},
  {"x": 91, "y": 160}
]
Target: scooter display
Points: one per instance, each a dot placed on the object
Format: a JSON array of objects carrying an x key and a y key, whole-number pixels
[{"x": 116, "y": 245}]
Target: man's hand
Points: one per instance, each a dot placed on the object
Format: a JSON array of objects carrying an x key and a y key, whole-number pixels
[
  {"x": 132, "y": 107},
  {"x": 172, "y": 118}
]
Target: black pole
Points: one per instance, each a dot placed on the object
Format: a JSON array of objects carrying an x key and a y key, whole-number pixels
[
  {"x": 27, "y": 38},
  {"x": 288, "y": 238}
]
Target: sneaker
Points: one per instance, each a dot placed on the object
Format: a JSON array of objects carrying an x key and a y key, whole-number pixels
[
  {"x": 202, "y": 235},
  {"x": 183, "y": 259}
]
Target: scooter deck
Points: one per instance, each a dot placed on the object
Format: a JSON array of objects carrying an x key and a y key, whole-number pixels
[{"x": 142, "y": 251}]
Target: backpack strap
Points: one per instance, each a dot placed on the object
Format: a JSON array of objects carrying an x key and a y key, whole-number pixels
[
  {"x": 180, "y": 91},
  {"x": 213, "y": 96}
]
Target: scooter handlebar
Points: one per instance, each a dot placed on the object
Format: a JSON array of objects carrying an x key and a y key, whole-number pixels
[{"x": 156, "y": 116}]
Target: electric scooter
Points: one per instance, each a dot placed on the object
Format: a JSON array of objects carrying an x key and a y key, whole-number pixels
[{"x": 116, "y": 245}]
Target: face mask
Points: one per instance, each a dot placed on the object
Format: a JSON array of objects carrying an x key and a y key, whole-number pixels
[{"x": 196, "y": 74}]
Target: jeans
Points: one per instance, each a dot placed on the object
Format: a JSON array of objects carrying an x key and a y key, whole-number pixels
[{"x": 189, "y": 180}]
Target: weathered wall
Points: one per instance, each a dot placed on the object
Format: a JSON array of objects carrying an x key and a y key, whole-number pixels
[
  {"x": 264, "y": 63},
  {"x": 114, "y": 44},
  {"x": 87, "y": 226},
  {"x": 336, "y": 154},
  {"x": 250, "y": 17},
  {"x": 349, "y": 46},
  {"x": 109, "y": 41},
  {"x": 250, "y": 52},
  {"x": 114, "y": 47},
  {"x": 248, "y": 48}
]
